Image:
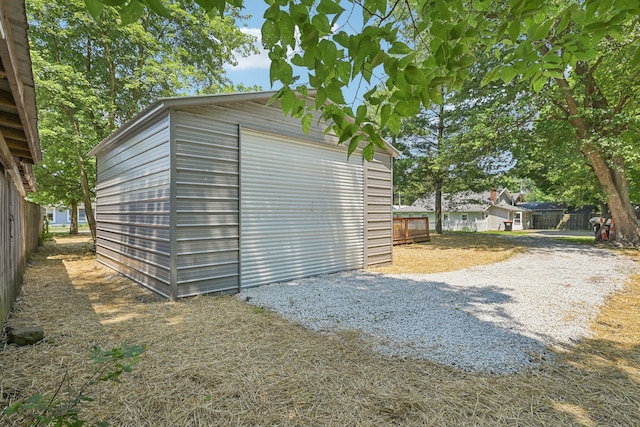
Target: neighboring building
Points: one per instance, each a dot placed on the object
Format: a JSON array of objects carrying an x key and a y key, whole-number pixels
[
  {"x": 220, "y": 192},
  {"x": 469, "y": 211},
  {"x": 58, "y": 217},
  {"x": 20, "y": 221}
]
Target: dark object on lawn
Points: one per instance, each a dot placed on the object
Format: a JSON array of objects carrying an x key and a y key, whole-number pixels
[{"x": 603, "y": 228}]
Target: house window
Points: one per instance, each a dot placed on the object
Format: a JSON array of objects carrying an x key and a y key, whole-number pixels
[
  {"x": 465, "y": 217},
  {"x": 51, "y": 214},
  {"x": 517, "y": 220},
  {"x": 82, "y": 215},
  {"x": 445, "y": 217}
]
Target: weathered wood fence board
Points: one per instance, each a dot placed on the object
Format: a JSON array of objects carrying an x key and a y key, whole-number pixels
[
  {"x": 20, "y": 228},
  {"x": 560, "y": 221}
]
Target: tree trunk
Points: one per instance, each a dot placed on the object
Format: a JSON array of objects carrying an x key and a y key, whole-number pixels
[
  {"x": 438, "y": 178},
  {"x": 627, "y": 231},
  {"x": 86, "y": 196},
  {"x": 73, "y": 228},
  {"x": 610, "y": 170},
  {"x": 438, "y": 184}
]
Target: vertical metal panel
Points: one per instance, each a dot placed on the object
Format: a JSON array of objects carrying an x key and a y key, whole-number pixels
[
  {"x": 378, "y": 204},
  {"x": 206, "y": 204},
  {"x": 302, "y": 209},
  {"x": 133, "y": 206},
  {"x": 173, "y": 235}
]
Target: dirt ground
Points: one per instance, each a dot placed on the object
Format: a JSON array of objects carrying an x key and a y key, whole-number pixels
[{"x": 219, "y": 361}]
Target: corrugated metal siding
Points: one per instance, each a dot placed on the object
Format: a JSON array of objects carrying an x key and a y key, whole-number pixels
[
  {"x": 133, "y": 207},
  {"x": 301, "y": 209},
  {"x": 378, "y": 202},
  {"x": 268, "y": 118},
  {"x": 206, "y": 204}
]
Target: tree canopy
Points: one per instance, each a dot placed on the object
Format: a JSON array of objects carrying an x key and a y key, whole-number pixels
[
  {"x": 582, "y": 55},
  {"x": 93, "y": 74}
]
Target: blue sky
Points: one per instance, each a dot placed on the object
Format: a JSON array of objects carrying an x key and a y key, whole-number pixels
[{"x": 254, "y": 70}]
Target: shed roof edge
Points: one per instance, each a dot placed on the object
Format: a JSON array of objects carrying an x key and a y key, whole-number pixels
[{"x": 165, "y": 104}]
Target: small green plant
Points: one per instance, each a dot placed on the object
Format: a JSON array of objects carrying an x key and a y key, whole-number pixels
[
  {"x": 258, "y": 310},
  {"x": 63, "y": 406}
]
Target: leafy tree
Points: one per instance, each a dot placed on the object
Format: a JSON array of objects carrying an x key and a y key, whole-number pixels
[
  {"x": 92, "y": 75},
  {"x": 548, "y": 157},
  {"x": 465, "y": 142},
  {"x": 583, "y": 54}
]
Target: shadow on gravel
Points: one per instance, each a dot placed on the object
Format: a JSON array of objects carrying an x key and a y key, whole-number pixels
[{"x": 465, "y": 327}]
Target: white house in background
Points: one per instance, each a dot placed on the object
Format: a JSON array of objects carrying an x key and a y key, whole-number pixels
[
  {"x": 59, "y": 217},
  {"x": 469, "y": 211}
]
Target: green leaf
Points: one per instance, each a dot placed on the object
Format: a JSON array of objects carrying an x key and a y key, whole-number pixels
[
  {"x": 329, "y": 53},
  {"x": 385, "y": 113},
  {"x": 321, "y": 97},
  {"x": 395, "y": 123},
  {"x": 270, "y": 32},
  {"x": 354, "y": 144},
  {"x": 369, "y": 151},
  {"x": 399, "y": 48},
  {"x": 131, "y": 12},
  {"x": 413, "y": 75},
  {"x": 408, "y": 108},
  {"x": 538, "y": 84},
  {"x": 329, "y": 7},
  {"x": 542, "y": 31},
  {"x": 514, "y": 30},
  {"x": 508, "y": 73},
  {"x": 436, "y": 96},
  {"x": 307, "y": 121},
  {"x": 158, "y": 7},
  {"x": 361, "y": 113},
  {"x": 114, "y": 2},
  {"x": 94, "y": 7},
  {"x": 342, "y": 38},
  {"x": 334, "y": 93},
  {"x": 286, "y": 29},
  {"x": 636, "y": 58}
]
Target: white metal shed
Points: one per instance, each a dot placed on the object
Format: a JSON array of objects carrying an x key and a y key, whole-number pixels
[{"x": 219, "y": 192}]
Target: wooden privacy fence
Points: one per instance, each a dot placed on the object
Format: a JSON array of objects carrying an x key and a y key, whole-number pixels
[
  {"x": 560, "y": 221},
  {"x": 410, "y": 230}
]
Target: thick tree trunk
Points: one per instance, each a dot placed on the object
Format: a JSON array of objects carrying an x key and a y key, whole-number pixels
[
  {"x": 438, "y": 205},
  {"x": 73, "y": 228},
  {"x": 627, "y": 231},
  {"x": 609, "y": 169}
]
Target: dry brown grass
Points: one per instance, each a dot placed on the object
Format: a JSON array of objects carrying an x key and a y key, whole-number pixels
[
  {"x": 218, "y": 361},
  {"x": 449, "y": 252}
]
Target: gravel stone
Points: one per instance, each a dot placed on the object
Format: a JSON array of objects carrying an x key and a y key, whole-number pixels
[{"x": 497, "y": 318}]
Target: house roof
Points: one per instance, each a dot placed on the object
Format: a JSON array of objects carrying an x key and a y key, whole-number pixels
[
  {"x": 466, "y": 201},
  {"x": 511, "y": 208},
  {"x": 543, "y": 206},
  {"x": 19, "y": 140},
  {"x": 162, "y": 105}
]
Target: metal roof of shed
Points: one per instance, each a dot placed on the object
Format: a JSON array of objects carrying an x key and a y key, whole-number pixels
[{"x": 162, "y": 105}]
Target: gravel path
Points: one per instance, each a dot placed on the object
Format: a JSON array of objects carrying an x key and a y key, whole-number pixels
[{"x": 496, "y": 318}]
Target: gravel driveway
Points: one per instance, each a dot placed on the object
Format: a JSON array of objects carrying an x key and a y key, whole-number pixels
[{"x": 495, "y": 318}]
